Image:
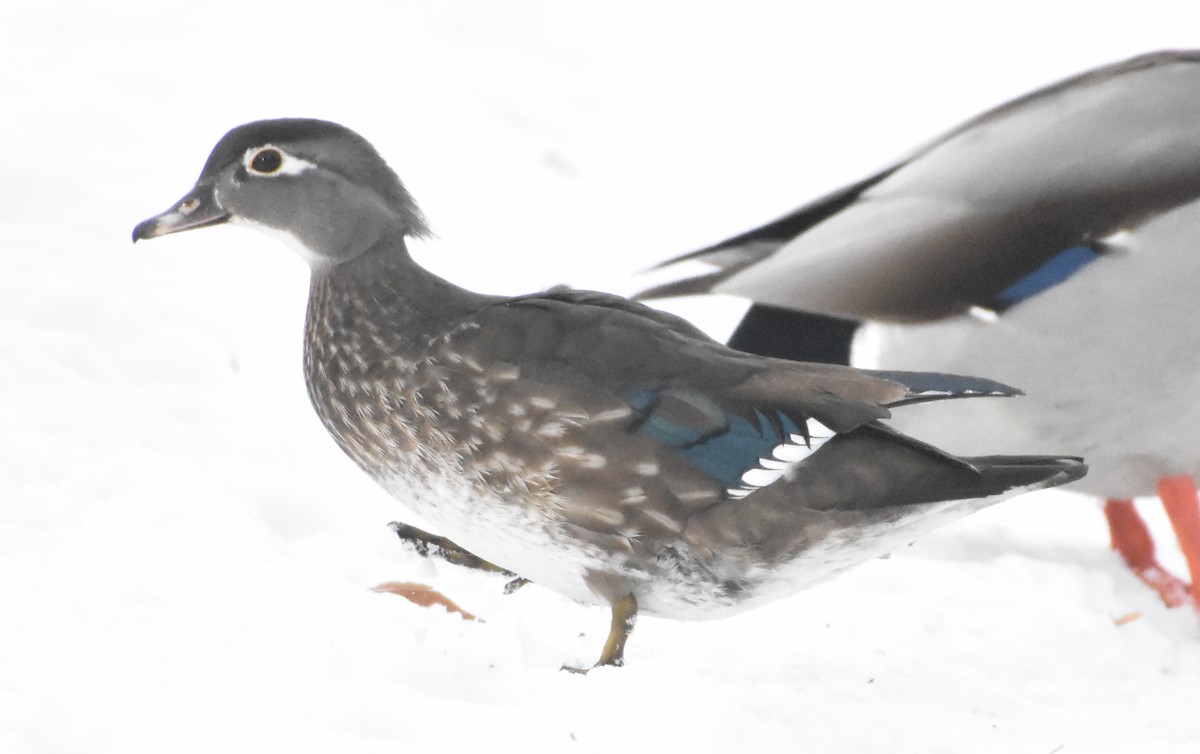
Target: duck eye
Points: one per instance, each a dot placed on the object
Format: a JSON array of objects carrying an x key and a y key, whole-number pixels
[{"x": 266, "y": 161}]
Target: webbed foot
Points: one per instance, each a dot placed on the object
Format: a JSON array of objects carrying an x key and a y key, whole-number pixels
[{"x": 431, "y": 545}]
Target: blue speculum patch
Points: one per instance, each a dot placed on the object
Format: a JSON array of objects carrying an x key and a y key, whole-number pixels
[
  {"x": 1054, "y": 271},
  {"x": 725, "y": 451},
  {"x": 726, "y": 457}
]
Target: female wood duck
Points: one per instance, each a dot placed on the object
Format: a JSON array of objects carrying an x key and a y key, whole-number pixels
[
  {"x": 595, "y": 446},
  {"x": 1053, "y": 243}
]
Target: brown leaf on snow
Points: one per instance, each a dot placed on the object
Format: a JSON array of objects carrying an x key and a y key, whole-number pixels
[
  {"x": 1121, "y": 620},
  {"x": 425, "y": 596}
]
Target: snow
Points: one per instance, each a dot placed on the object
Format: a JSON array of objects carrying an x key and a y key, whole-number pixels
[{"x": 186, "y": 560}]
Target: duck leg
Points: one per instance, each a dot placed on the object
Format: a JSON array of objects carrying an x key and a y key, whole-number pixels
[
  {"x": 1131, "y": 538},
  {"x": 1182, "y": 504},
  {"x": 431, "y": 545},
  {"x": 624, "y": 617}
]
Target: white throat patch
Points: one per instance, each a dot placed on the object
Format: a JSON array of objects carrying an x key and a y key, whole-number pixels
[{"x": 288, "y": 238}]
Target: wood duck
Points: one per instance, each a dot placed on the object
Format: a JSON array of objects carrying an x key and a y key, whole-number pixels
[{"x": 600, "y": 448}]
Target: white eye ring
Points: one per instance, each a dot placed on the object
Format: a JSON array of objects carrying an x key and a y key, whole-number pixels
[{"x": 270, "y": 160}]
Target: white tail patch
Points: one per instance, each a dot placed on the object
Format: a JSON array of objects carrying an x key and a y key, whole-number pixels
[
  {"x": 1119, "y": 237},
  {"x": 983, "y": 314}
]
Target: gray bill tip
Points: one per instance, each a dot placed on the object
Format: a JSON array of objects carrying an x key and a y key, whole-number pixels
[
  {"x": 196, "y": 210},
  {"x": 145, "y": 229}
]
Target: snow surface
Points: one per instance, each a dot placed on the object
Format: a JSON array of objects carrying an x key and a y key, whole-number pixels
[{"x": 186, "y": 560}]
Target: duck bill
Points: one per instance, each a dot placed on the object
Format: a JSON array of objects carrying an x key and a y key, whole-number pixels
[{"x": 198, "y": 209}]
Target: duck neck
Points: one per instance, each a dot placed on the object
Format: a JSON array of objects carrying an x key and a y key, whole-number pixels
[
  {"x": 377, "y": 306},
  {"x": 384, "y": 286}
]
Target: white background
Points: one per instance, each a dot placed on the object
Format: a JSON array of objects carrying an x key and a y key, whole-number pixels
[{"x": 186, "y": 559}]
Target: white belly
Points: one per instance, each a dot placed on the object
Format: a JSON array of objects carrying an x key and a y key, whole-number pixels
[{"x": 507, "y": 535}]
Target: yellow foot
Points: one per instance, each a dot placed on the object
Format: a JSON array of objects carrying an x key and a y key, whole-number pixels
[{"x": 624, "y": 617}]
